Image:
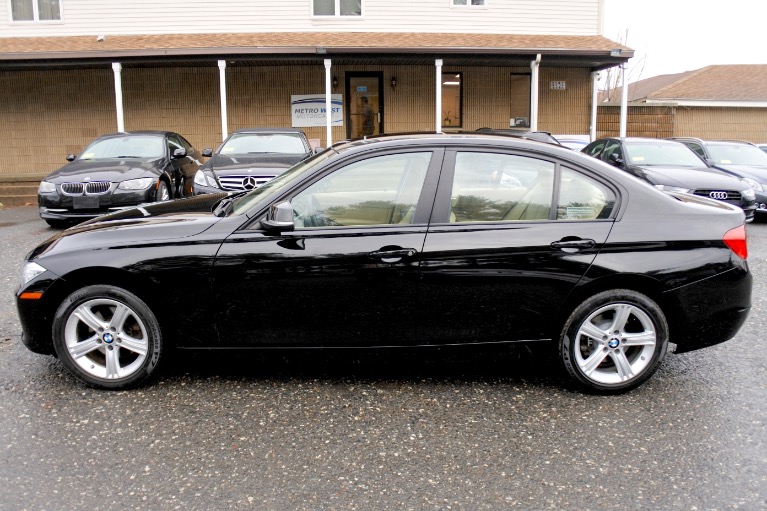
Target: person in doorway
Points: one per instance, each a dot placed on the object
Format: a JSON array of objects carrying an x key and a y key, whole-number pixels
[{"x": 368, "y": 128}]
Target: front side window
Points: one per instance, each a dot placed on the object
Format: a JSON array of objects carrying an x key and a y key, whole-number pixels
[
  {"x": 35, "y": 10},
  {"x": 376, "y": 191},
  {"x": 337, "y": 7},
  {"x": 452, "y": 92},
  {"x": 489, "y": 187}
]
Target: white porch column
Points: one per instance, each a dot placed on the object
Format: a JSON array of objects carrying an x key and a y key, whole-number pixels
[
  {"x": 594, "y": 103},
  {"x": 534, "y": 65},
  {"x": 117, "y": 69},
  {"x": 624, "y": 101},
  {"x": 438, "y": 106},
  {"x": 222, "y": 91},
  {"x": 328, "y": 105}
]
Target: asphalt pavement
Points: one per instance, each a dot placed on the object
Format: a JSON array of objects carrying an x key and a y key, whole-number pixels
[{"x": 432, "y": 429}]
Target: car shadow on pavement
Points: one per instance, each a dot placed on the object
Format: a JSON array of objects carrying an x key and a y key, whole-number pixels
[{"x": 514, "y": 363}]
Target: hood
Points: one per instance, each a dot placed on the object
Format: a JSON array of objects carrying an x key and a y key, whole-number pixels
[
  {"x": 106, "y": 170},
  {"x": 157, "y": 221},
  {"x": 755, "y": 172},
  {"x": 256, "y": 164},
  {"x": 690, "y": 177}
]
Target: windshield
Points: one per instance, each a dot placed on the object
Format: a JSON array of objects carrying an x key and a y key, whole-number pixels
[
  {"x": 133, "y": 146},
  {"x": 661, "y": 153},
  {"x": 258, "y": 143},
  {"x": 737, "y": 154},
  {"x": 281, "y": 182}
]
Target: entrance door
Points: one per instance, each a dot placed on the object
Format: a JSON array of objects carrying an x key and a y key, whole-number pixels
[{"x": 364, "y": 115}]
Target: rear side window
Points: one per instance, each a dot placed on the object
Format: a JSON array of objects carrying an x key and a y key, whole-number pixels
[
  {"x": 583, "y": 198},
  {"x": 490, "y": 187}
]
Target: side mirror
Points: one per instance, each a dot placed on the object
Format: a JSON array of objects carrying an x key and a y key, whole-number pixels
[
  {"x": 179, "y": 153},
  {"x": 615, "y": 159},
  {"x": 279, "y": 218},
  {"x": 710, "y": 162},
  {"x": 71, "y": 157},
  {"x": 207, "y": 152}
]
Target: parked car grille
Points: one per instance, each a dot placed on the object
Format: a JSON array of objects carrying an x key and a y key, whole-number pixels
[
  {"x": 89, "y": 188},
  {"x": 243, "y": 182},
  {"x": 730, "y": 196}
]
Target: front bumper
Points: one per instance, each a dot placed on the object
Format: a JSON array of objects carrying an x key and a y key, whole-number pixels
[{"x": 55, "y": 206}]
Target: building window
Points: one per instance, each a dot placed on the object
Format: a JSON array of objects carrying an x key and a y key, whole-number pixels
[
  {"x": 452, "y": 94},
  {"x": 337, "y": 7},
  {"x": 468, "y": 3},
  {"x": 36, "y": 10}
]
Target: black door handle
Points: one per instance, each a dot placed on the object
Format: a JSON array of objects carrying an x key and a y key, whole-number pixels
[
  {"x": 394, "y": 255},
  {"x": 573, "y": 245}
]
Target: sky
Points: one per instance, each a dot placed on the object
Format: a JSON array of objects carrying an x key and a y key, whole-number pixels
[{"x": 673, "y": 36}]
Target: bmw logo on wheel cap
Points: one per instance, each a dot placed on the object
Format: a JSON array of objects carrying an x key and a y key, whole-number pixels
[
  {"x": 108, "y": 338},
  {"x": 614, "y": 343}
]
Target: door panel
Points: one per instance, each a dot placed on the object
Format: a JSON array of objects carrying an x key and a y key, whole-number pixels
[{"x": 511, "y": 237}]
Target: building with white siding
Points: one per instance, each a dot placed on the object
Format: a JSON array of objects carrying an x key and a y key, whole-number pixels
[{"x": 71, "y": 70}]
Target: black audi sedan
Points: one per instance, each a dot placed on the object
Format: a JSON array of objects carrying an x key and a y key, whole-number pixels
[
  {"x": 117, "y": 171},
  {"x": 249, "y": 158},
  {"x": 400, "y": 241},
  {"x": 672, "y": 167}
]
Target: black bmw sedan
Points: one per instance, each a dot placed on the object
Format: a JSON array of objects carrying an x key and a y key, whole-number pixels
[
  {"x": 672, "y": 167},
  {"x": 249, "y": 158},
  {"x": 117, "y": 171},
  {"x": 400, "y": 241}
]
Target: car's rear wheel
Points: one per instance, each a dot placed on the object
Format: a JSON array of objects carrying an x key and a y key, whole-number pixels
[
  {"x": 107, "y": 337},
  {"x": 614, "y": 341}
]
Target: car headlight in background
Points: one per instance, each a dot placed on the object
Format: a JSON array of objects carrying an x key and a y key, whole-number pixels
[
  {"x": 753, "y": 183},
  {"x": 30, "y": 271},
  {"x": 203, "y": 179},
  {"x": 749, "y": 193},
  {"x": 46, "y": 187},
  {"x": 677, "y": 189},
  {"x": 136, "y": 184}
]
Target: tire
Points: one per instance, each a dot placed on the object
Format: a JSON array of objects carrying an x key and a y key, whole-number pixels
[
  {"x": 162, "y": 193},
  {"x": 107, "y": 337},
  {"x": 614, "y": 341}
]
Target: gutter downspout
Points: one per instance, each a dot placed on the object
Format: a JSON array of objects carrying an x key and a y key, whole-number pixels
[
  {"x": 534, "y": 65},
  {"x": 328, "y": 105},
  {"x": 117, "y": 69},
  {"x": 624, "y": 101},
  {"x": 438, "y": 92},
  {"x": 594, "y": 98},
  {"x": 222, "y": 90}
]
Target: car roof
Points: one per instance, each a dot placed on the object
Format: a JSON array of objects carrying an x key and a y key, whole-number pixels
[{"x": 269, "y": 130}]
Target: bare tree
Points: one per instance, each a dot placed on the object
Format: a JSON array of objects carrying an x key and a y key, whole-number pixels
[{"x": 611, "y": 84}]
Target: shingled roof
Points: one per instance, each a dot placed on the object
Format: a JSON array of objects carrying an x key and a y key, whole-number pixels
[
  {"x": 712, "y": 83},
  {"x": 115, "y": 46}
]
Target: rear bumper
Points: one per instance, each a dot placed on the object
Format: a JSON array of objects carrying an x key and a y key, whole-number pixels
[{"x": 720, "y": 307}]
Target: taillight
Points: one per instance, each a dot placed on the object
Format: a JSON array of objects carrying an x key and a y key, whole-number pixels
[{"x": 736, "y": 240}]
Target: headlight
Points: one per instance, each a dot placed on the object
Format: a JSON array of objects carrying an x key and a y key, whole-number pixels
[
  {"x": 749, "y": 194},
  {"x": 46, "y": 187},
  {"x": 754, "y": 184},
  {"x": 677, "y": 189},
  {"x": 203, "y": 179},
  {"x": 30, "y": 271},
  {"x": 136, "y": 184}
]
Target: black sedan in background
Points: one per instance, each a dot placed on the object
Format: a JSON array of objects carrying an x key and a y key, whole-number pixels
[
  {"x": 671, "y": 166},
  {"x": 117, "y": 171},
  {"x": 400, "y": 241},
  {"x": 249, "y": 158}
]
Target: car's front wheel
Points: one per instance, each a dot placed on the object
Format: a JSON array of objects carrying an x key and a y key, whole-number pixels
[
  {"x": 107, "y": 337},
  {"x": 614, "y": 341},
  {"x": 162, "y": 193}
]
